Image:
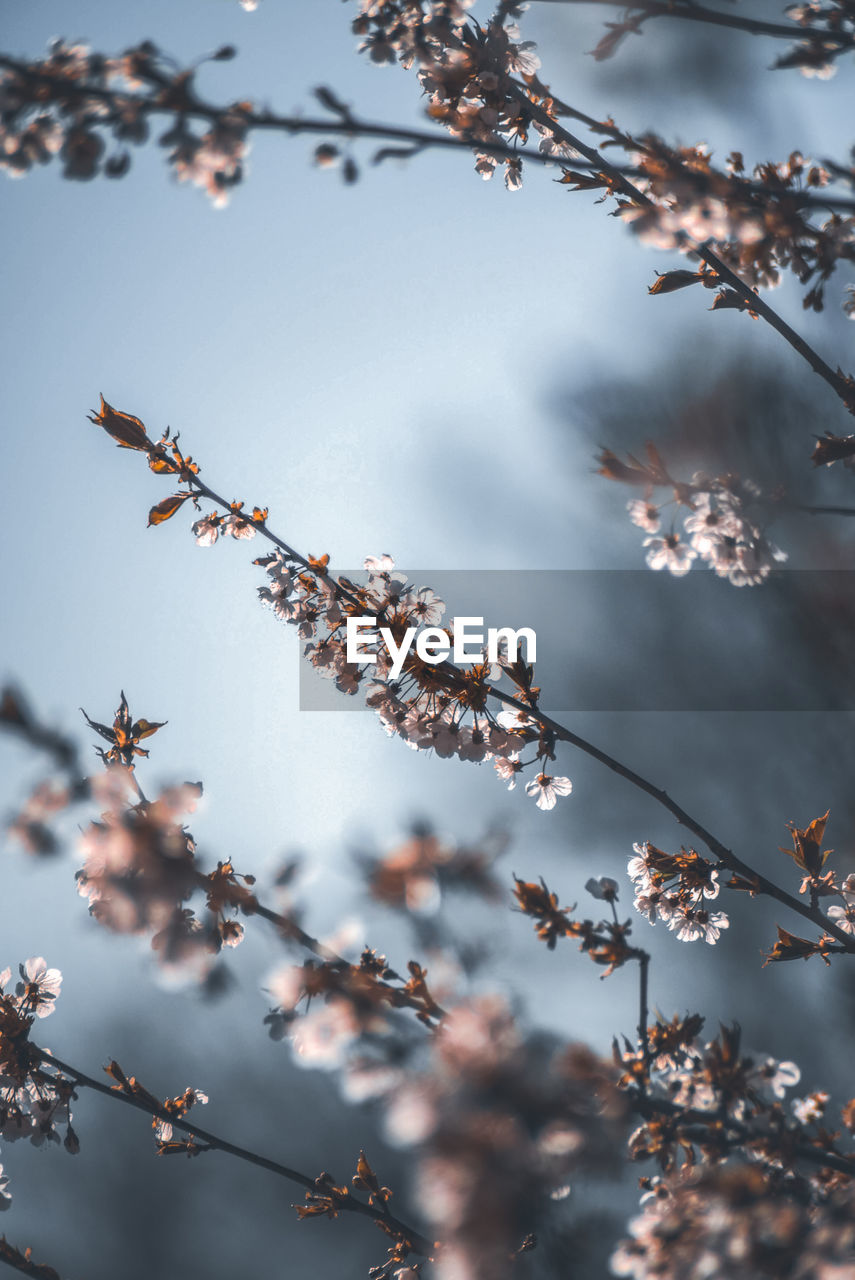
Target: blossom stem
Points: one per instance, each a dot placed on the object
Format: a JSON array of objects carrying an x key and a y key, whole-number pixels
[
  {"x": 725, "y": 855},
  {"x": 699, "y": 1123},
  {"x": 23, "y": 1262},
  {"x": 643, "y": 973},
  {"x": 715, "y": 17},
  {"x": 348, "y": 125},
  {"x": 823, "y": 511},
  {"x": 290, "y": 929},
  {"x": 350, "y": 1204},
  {"x": 351, "y": 126},
  {"x": 841, "y": 386}
]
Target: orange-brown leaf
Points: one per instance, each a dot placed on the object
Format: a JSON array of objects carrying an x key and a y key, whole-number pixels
[
  {"x": 791, "y": 947},
  {"x": 673, "y": 280},
  {"x": 807, "y": 845},
  {"x": 582, "y": 181},
  {"x": 831, "y": 448},
  {"x": 166, "y": 508},
  {"x": 126, "y": 430},
  {"x": 145, "y": 728}
]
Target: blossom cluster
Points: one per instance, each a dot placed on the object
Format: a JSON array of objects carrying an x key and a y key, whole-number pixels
[
  {"x": 435, "y": 707},
  {"x": 719, "y": 536},
  {"x": 140, "y": 871},
  {"x": 351, "y": 1001},
  {"x": 707, "y": 1079},
  {"x": 414, "y": 875},
  {"x": 166, "y": 1115},
  {"x": 482, "y": 85},
  {"x": 676, "y": 888},
  {"x": 728, "y": 1200},
  {"x": 759, "y": 223},
  {"x": 74, "y": 102},
  {"x": 604, "y": 941},
  {"x": 467, "y": 72},
  {"x": 724, "y": 520},
  {"x": 499, "y": 1121},
  {"x": 439, "y": 708},
  {"x": 34, "y": 1102},
  {"x": 738, "y": 1223}
]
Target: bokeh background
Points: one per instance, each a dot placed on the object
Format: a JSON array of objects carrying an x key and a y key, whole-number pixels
[{"x": 422, "y": 364}]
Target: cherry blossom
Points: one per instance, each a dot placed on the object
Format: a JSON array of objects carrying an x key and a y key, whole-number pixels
[
  {"x": 39, "y": 987},
  {"x": 668, "y": 552},
  {"x": 546, "y": 789}
]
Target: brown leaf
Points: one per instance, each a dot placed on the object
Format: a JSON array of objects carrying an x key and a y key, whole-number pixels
[
  {"x": 126, "y": 430},
  {"x": 729, "y": 299},
  {"x": 831, "y": 448},
  {"x": 583, "y": 181},
  {"x": 613, "y": 468},
  {"x": 145, "y": 728},
  {"x": 744, "y": 884},
  {"x": 167, "y": 508},
  {"x": 615, "y": 32},
  {"x": 791, "y": 947},
  {"x": 807, "y": 846},
  {"x": 651, "y": 473},
  {"x": 848, "y": 1115},
  {"x": 670, "y": 281}
]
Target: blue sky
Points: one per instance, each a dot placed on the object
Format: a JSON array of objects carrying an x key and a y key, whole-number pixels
[{"x": 373, "y": 363}]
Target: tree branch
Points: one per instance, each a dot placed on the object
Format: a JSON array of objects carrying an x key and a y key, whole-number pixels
[
  {"x": 726, "y": 856},
  {"x": 343, "y": 123},
  {"x": 718, "y": 18},
  {"x": 23, "y": 1262},
  {"x": 49, "y": 1060},
  {"x": 647, "y": 1106},
  {"x": 841, "y": 385}
]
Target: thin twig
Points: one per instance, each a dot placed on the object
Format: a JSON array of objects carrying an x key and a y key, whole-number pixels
[
  {"x": 726, "y": 856},
  {"x": 644, "y": 1104},
  {"x": 822, "y": 511},
  {"x": 643, "y": 973},
  {"x": 212, "y": 1140},
  {"x": 348, "y": 126},
  {"x": 841, "y": 386},
  {"x": 23, "y": 1262},
  {"x": 352, "y": 126},
  {"x": 718, "y": 18},
  {"x": 290, "y": 929}
]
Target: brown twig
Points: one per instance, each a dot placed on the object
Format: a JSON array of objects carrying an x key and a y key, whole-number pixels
[
  {"x": 643, "y": 1012},
  {"x": 841, "y": 386},
  {"x": 647, "y": 1106},
  {"x": 49, "y": 1060},
  {"x": 344, "y": 123},
  {"x": 21, "y": 1260},
  {"x": 718, "y": 18},
  {"x": 726, "y": 856}
]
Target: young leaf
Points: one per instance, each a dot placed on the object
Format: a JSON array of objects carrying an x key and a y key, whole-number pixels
[{"x": 166, "y": 508}]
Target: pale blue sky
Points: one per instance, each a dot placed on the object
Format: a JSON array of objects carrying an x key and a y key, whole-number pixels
[
  {"x": 377, "y": 364},
  {"x": 373, "y": 363}
]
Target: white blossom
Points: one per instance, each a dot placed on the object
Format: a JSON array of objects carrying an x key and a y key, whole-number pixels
[{"x": 546, "y": 789}]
